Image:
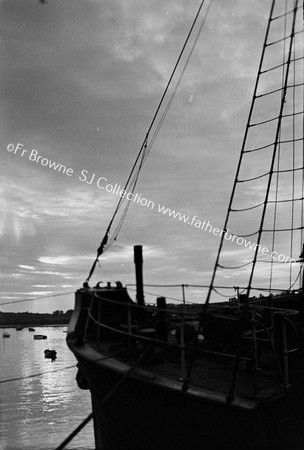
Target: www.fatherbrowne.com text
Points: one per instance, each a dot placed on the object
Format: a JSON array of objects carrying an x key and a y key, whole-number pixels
[{"x": 116, "y": 189}]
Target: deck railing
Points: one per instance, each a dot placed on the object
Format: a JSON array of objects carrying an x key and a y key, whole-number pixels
[{"x": 177, "y": 327}]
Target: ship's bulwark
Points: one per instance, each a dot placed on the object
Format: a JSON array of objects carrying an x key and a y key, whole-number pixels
[
  {"x": 149, "y": 409},
  {"x": 141, "y": 416}
]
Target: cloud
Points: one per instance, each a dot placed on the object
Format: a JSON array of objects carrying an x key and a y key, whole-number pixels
[
  {"x": 81, "y": 81},
  {"x": 26, "y": 267},
  {"x": 63, "y": 260}
]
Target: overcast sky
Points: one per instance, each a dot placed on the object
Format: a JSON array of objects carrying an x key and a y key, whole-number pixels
[{"x": 81, "y": 80}]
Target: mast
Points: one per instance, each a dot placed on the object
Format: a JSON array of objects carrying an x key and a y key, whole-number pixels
[{"x": 138, "y": 260}]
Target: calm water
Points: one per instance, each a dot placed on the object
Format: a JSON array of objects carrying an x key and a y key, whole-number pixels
[{"x": 38, "y": 413}]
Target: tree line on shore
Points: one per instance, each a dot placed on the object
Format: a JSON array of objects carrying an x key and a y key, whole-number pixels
[{"x": 29, "y": 318}]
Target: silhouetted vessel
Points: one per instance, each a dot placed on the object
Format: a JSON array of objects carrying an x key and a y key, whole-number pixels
[
  {"x": 39, "y": 336},
  {"x": 222, "y": 374},
  {"x": 50, "y": 354}
]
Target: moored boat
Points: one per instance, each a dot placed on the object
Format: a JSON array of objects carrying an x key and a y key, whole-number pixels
[
  {"x": 39, "y": 336},
  {"x": 50, "y": 354},
  {"x": 148, "y": 351},
  {"x": 220, "y": 374}
]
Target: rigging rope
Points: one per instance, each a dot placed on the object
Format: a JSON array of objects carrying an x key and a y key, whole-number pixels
[
  {"x": 105, "y": 399},
  {"x": 293, "y": 166},
  {"x": 144, "y": 149},
  {"x": 42, "y": 297},
  {"x": 180, "y": 78},
  {"x": 275, "y": 146},
  {"x": 34, "y": 375},
  {"x": 277, "y": 172},
  {"x": 302, "y": 206}
]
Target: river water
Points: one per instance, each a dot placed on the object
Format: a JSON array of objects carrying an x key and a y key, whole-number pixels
[{"x": 43, "y": 404}]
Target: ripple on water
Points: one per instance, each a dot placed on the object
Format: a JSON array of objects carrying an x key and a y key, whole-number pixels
[{"x": 38, "y": 413}]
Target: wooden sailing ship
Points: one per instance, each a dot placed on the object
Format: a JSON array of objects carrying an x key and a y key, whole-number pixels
[{"x": 220, "y": 374}]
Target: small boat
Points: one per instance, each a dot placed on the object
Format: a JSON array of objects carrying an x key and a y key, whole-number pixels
[
  {"x": 51, "y": 354},
  {"x": 31, "y": 329},
  {"x": 40, "y": 336},
  {"x": 6, "y": 334}
]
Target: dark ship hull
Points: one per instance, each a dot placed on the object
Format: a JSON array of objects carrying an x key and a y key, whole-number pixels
[
  {"x": 218, "y": 375},
  {"x": 138, "y": 391},
  {"x": 148, "y": 416},
  {"x": 145, "y": 415}
]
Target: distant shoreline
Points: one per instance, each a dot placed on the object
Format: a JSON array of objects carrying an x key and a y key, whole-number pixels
[
  {"x": 34, "y": 325},
  {"x": 28, "y": 319}
]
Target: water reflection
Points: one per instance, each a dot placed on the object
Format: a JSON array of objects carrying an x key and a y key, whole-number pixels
[{"x": 37, "y": 413}]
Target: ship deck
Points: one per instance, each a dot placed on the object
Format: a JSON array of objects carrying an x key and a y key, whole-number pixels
[{"x": 210, "y": 372}]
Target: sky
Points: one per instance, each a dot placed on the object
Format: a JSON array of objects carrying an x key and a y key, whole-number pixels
[{"x": 81, "y": 81}]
